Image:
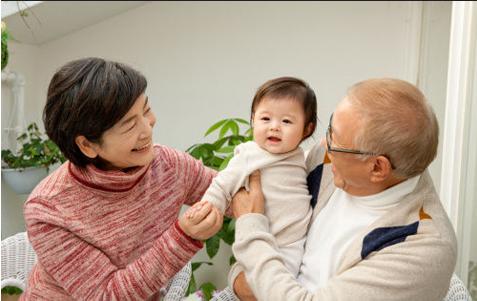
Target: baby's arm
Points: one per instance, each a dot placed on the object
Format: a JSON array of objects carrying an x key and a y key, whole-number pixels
[{"x": 228, "y": 181}]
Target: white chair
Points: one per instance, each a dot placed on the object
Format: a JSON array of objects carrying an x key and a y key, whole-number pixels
[
  {"x": 18, "y": 258},
  {"x": 457, "y": 290}
]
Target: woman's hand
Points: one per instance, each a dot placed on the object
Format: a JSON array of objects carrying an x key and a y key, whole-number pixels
[
  {"x": 201, "y": 221},
  {"x": 252, "y": 201},
  {"x": 242, "y": 290}
]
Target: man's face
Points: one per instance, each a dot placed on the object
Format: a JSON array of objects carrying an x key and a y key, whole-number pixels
[{"x": 351, "y": 174}]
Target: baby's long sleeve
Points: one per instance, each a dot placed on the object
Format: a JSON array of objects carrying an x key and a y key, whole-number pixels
[{"x": 228, "y": 181}]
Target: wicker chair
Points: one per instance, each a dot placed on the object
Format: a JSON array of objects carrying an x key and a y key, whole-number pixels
[
  {"x": 457, "y": 292},
  {"x": 18, "y": 258}
]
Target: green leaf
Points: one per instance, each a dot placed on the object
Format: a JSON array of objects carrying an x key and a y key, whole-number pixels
[
  {"x": 212, "y": 246},
  {"x": 192, "y": 285},
  {"x": 215, "y": 127},
  {"x": 35, "y": 151},
  {"x": 224, "y": 129},
  {"x": 208, "y": 290},
  {"x": 231, "y": 226},
  {"x": 234, "y": 127},
  {"x": 242, "y": 121},
  {"x": 12, "y": 290},
  {"x": 196, "y": 265},
  {"x": 232, "y": 260},
  {"x": 225, "y": 162},
  {"x": 226, "y": 149}
]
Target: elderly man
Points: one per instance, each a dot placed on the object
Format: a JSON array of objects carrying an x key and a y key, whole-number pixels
[{"x": 379, "y": 231}]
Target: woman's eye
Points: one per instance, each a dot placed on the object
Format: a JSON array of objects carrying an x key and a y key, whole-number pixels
[
  {"x": 147, "y": 111},
  {"x": 131, "y": 127}
]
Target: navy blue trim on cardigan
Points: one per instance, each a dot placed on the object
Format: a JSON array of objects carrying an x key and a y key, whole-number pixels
[
  {"x": 314, "y": 180},
  {"x": 381, "y": 238}
]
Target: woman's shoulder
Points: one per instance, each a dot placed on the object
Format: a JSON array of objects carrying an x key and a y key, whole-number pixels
[{"x": 169, "y": 156}]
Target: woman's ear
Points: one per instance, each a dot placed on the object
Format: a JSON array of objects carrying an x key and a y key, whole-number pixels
[{"x": 88, "y": 148}]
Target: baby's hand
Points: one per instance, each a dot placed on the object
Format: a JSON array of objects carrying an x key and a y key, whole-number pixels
[{"x": 201, "y": 221}]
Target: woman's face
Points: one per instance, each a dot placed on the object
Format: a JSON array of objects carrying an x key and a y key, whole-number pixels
[{"x": 129, "y": 142}]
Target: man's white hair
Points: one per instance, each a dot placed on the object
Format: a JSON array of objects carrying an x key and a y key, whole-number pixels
[{"x": 397, "y": 122}]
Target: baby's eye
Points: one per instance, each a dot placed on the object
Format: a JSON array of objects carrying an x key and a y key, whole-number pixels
[
  {"x": 265, "y": 118},
  {"x": 287, "y": 121}
]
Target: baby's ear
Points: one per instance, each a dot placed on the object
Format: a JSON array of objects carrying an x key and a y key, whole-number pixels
[{"x": 310, "y": 128}]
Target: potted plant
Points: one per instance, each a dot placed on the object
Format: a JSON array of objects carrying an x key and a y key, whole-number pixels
[
  {"x": 230, "y": 133},
  {"x": 25, "y": 169},
  {"x": 5, "y": 37}
]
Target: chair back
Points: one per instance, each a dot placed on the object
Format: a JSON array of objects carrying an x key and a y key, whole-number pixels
[
  {"x": 18, "y": 259},
  {"x": 457, "y": 290}
]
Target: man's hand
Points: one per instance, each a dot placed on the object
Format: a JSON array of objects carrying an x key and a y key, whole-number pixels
[
  {"x": 253, "y": 201},
  {"x": 201, "y": 221},
  {"x": 242, "y": 290}
]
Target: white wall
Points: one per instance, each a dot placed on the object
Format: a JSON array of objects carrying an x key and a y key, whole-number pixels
[{"x": 204, "y": 60}]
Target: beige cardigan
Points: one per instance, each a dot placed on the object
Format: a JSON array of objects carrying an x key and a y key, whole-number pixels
[{"x": 408, "y": 254}]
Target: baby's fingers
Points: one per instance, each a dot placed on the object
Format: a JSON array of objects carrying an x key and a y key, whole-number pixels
[{"x": 199, "y": 211}]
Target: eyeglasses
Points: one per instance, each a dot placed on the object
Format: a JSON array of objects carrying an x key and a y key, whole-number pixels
[{"x": 329, "y": 140}]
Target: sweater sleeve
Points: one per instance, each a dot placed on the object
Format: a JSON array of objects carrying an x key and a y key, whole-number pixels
[
  {"x": 228, "y": 181},
  {"x": 86, "y": 273},
  {"x": 416, "y": 269},
  {"x": 194, "y": 176}
]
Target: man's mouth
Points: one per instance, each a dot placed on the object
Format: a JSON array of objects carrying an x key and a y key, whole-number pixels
[{"x": 142, "y": 148}]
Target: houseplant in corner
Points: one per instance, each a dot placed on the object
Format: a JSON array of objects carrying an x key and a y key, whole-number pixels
[
  {"x": 217, "y": 154},
  {"x": 26, "y": 168}
]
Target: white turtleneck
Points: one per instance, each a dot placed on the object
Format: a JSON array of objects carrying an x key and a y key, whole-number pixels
[{"x": 338, "y": 224}]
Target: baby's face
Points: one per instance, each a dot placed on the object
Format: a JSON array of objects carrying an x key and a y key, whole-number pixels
[{"x": 278, "y": 124}]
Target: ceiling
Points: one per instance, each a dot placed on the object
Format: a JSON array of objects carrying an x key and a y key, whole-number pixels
[{"x": 49, "y": 20}]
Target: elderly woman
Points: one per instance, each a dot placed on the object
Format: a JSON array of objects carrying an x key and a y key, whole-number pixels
[{"x": 104, "y": 225}]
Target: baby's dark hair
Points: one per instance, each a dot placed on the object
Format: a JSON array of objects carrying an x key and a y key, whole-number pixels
[
  {"x": 292, "y": 88},
  {"x": 87, "y": 97}
]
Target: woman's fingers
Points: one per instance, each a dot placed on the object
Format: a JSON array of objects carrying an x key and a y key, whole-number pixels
[{"x": 199, "y": 212}]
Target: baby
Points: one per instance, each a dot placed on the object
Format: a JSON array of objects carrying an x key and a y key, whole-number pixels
[{"x": 283, "y": 115}]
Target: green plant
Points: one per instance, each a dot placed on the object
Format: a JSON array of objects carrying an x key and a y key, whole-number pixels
[
  {"x": 5, "y": 38},
  {"x": 217, "y": 155},
  {"x": 35, "y": 151},
  {"x": 11, "y": 290}
]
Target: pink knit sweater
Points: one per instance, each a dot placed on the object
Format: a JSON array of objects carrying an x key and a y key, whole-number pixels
[{"x": 111, "y": 235}]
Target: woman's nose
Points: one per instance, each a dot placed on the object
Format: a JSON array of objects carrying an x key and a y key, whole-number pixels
[{"x": 148, "y": 123}]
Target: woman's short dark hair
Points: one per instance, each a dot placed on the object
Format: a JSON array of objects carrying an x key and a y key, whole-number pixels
[
  {"x": 87, "y": 97},
  {"x": 293, "y": 88}
]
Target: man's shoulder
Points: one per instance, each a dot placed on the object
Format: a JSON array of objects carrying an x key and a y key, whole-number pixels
[{"x": 315, "y": 156}]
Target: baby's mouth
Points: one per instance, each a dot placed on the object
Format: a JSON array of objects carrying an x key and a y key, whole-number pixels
[{"x": 274, "y": 139}]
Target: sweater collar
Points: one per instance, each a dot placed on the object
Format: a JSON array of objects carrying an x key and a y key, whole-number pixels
[{"x": 107, "y": 180}]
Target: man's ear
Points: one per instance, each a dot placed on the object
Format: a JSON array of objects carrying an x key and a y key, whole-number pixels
[
  {"x": 87, "y": 147},
  {"x": 382, "y": 169}
]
